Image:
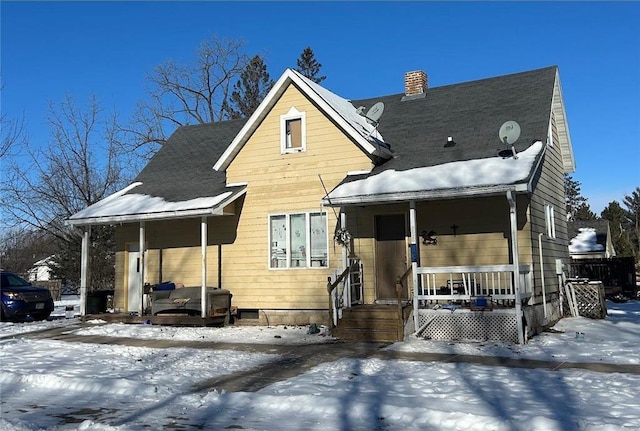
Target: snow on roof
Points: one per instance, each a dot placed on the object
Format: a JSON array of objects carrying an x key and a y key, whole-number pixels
[
  {"x": 122, "y": 203},
  {"x": 585, "y": 241},
  {"x": 470, "y": 173},
  {"x": 345, "y": 109}
]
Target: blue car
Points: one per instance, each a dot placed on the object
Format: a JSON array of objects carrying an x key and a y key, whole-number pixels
[{"x": 21, "y": 301}]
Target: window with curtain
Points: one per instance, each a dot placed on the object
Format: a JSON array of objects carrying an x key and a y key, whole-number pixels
[{"x": 298, "y": 240}]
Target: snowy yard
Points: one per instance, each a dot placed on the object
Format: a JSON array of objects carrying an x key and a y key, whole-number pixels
[{"x": 53, "y": 385}]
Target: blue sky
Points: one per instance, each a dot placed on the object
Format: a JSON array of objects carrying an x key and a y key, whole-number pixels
[{"x": 50, "y": 49}]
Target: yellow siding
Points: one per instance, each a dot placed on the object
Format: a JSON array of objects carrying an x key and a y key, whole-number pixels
[{"x": 285, "y": 183}]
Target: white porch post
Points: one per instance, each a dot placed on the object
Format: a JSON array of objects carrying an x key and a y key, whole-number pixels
[
  {"x": 203, "y": 247},
  {"x": 84, "y": 270},
  {"x": 415, "y": 258},
  {"x": 141, "y": 274},
  {"x": 513, "y": 217},
  {"x": 345, "y": 261}
]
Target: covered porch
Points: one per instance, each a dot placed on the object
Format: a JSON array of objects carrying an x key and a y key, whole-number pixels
[{"x": 464, "y": 302}]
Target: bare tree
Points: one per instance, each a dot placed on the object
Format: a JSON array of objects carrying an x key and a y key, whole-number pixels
[
  {"x": 11, "y": 132},
  {"x": 182, "y": 94},
  {"x": 79, "y": 167},
  {"x": 20, "y": 248}
]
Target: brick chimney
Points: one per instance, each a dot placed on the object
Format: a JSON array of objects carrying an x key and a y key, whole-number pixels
[{"x": 415, "y": 83}]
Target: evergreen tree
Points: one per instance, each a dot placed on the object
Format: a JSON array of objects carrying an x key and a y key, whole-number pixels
[
  {"x": 573, "y": 198},
  {"x": 618, "y": 225},
  {"x": 583, "y": 212},
  {"x": 250, "y": 90},
  {"x": 309, "y": 67},
  {"x": 632, "y": 202}
]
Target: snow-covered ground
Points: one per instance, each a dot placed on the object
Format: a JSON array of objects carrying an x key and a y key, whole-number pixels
[{"x": 54, "y": 385}]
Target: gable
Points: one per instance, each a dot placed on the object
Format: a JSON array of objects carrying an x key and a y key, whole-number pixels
[
  {"x": 560, "y": 117},
  {"x": 339, "y": 110},
  {"x": 327, "y": 148}
]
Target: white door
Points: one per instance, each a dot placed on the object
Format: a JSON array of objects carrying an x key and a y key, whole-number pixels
[{"x": 134, "y": 285}]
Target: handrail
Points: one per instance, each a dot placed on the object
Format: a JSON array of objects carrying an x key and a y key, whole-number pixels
[
  {"x": 399, "y": 286},
  {"x": 331, "y": 286},
  {"x": 405, "y": 275}
]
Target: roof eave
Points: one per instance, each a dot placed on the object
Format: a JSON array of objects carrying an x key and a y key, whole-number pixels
[
  {"x": 562, "y": 126},
  {"x": 427, "y": 195},
  {"x": 217, "y": 210}
]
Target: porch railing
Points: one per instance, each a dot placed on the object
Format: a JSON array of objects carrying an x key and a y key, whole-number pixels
[
  {"x": 345, "y": 289},
  {"x": 463, "y": 284}
]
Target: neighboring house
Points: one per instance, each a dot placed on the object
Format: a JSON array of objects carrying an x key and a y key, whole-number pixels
[
  {"x": 426, "y": 190},
  {"x": 590, "y": 240},
  {"x": 41, "y": 270}
]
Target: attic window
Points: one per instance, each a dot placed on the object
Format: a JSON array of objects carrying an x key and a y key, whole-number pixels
[{"x": 293, "y": 132}]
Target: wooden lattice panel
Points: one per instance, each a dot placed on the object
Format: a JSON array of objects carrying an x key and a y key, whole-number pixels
[
  {"x": 591, "y": 300},
  {"x": 468, "y": 325}
]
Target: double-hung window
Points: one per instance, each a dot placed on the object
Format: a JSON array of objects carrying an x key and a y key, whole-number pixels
[
  {"x": 550, "y": 221},
  {"x": 298, "y": 240},
  {"x": 293, "y": 132}
]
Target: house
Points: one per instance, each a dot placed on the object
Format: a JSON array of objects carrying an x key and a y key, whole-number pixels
[
  {"x": 443, "y": 205},
  {"x": 590, "y": 239},
  {"x": 594, "y": 258},
  {"x": 41, "y": 270}
]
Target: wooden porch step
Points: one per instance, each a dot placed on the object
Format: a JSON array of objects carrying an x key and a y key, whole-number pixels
[{"x": 373, "y": 323}]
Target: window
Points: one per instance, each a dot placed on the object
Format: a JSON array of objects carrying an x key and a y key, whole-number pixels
[
  {"x": 551, "y": 221},
  {"x": 293, "y": 132},
  {"x": 298, "y": 240}
]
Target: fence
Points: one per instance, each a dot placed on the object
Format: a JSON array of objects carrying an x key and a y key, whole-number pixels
[
  {"x": 616, "y": 271},
  {"x": 54, "y": 286}
]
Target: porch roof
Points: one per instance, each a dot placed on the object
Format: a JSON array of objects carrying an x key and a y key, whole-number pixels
[
  {"x": 177, "y": 182},
  {"x": 482, "y": 177},
  {"x": 127, "y": 206}
]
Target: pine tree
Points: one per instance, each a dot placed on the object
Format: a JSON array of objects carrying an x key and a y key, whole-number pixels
[
  {"x": 632, "y": 202},
  {"x": 618, "y": 225},
  {"x": 309, "y": 67},
  {"x": 583, "y": 212},
  {"x": 250, "y": 90},
  {"x": 573, "y": 198}
]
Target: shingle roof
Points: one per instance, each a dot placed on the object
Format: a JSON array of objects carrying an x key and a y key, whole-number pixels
[
  {"x": 417, "y": 130},
  {"x": 471, "y": 113},
  {"x": 183, "y": 168}
]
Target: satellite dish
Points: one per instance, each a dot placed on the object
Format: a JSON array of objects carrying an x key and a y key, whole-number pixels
[
  {"x": 374, "y": 113},
  {"x": 509, "y": 132}
]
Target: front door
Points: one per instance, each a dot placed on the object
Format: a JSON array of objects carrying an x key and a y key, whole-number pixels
[
  {"x": 134, "y": 287},
  {"x": 391, "y": 255}
]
